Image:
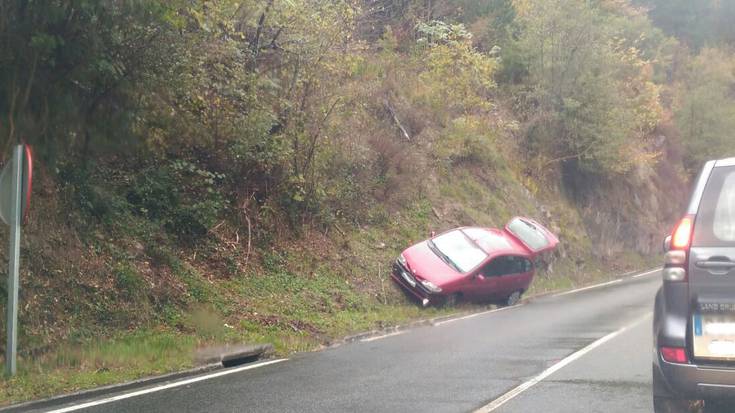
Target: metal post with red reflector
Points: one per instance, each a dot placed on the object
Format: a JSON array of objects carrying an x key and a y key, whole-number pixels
[
  {"x": 15, "y": 191},
  {"x": 674, "y": 355}
]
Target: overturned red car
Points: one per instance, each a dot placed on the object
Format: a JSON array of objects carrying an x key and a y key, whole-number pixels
[{"x": 473, "y": 263}]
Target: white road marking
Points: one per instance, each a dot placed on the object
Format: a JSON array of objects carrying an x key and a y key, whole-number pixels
[
  {"x": 493, "y": 405},
  {"x": 395, "y": 333},
  {"x": 647, "y": 273},
  {"x": 163, "y": 387},
  {"x": 589, "y": 287},
  {"x": 628, "y": 273},
  {"x": 451, "y": 320}
]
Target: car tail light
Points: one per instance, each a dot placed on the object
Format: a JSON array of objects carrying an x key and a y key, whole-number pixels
[
  {"x": 674, "y": 355},
  {"x": 683, "y": 233},
  {"x": 675, "y": 260}
]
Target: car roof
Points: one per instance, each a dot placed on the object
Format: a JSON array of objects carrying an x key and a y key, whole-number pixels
[
  {"x": 725, "y": 162},
  {"x": 702, "y": 179},
  {"x": 494, "y": 241}
]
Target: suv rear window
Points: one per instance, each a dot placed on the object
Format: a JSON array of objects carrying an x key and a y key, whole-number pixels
[{"x": 715, "y": 223}]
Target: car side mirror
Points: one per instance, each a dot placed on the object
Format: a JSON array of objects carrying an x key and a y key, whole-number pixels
[
  {"x": 432, "y": 234},
  {"x": 667, "y": 244}
]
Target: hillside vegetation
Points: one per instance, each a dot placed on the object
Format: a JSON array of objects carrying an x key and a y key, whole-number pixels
[{"x": 227, "y": 171}]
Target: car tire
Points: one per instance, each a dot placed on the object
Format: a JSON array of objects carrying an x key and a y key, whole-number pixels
[
  {"x": 664, "y": 401},
  {"x": 513, "y": 299},
  {"x": 671, "y": 405},
  {"x": 451, "y": 300},
  {"x": 674, "y": 405}
]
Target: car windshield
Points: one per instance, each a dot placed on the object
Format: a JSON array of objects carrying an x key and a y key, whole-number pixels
[
  {"x": 460, "y": 252},
  {"x": 529, "y": 234}
]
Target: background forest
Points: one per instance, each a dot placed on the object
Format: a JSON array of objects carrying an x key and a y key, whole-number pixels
[{"x": 217, "y": 171}]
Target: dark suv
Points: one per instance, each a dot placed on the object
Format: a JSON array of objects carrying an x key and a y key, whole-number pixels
[{"x": 694, "y": 316}]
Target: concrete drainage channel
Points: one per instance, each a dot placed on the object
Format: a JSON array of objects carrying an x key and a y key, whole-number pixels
[
  {"x": 209, "y": 359},
  {"x": 231, "y": 356}
]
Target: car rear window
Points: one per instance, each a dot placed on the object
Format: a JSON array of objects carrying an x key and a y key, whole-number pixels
[
  {"x": 527, "y": 232},
  {"x": 715, "y": 222}
]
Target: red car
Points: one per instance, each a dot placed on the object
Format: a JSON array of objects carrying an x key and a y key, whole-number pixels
[{"x": 474, "y": 263}]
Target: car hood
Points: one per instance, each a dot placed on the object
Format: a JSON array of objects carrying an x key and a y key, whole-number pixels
[{"x": 428, "y": 266}]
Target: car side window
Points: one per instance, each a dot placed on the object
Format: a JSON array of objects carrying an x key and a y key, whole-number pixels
[
  {"x": 506, "y": 265},
  {"x": 520, "y": 265},
  {"x": 500, "y": 266},
  {"x": 526, "y": 265}
]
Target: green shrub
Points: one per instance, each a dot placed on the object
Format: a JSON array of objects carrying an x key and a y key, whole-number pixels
[
  {"x": 128, "y": 280},
  {"x": 91, "y": 198},
  {"x": 154, "y": 193},
  {"x": 468, "y": 140},
  {"x": 183, "y": 197}
]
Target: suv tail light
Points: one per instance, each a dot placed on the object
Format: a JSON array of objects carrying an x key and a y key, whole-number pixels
[
  {"x": 675, "y": 260},
  {"x": 682, "y": 237}
]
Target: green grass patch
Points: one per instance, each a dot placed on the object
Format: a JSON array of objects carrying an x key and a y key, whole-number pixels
[{"x": 77, "y": 366}]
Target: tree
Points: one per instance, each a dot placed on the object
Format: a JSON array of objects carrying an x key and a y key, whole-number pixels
[
  {"x": 73, "y": 71},
  {"x": 705, "y": 109},
  {"x": 589, "y": 95}
]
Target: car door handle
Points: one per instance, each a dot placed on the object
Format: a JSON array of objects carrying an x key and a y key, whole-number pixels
[{"x": 719, "y": 265}]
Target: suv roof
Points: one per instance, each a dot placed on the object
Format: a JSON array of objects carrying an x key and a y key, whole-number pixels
[
  {"x": 701, "y": 183},
  {"x": 724, "y": 162}
]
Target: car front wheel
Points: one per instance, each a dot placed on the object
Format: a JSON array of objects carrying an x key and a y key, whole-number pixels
[
  {"x": 513, "y": 299},
  {"x": 451, "y": 300}
]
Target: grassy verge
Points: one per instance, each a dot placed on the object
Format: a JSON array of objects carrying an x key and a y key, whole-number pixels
[
  {"x": 566, "y": 277},
  {"x": 97, "y": 363}
]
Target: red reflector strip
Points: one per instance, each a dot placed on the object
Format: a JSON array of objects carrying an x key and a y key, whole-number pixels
[{"x": 674, "y": 355}]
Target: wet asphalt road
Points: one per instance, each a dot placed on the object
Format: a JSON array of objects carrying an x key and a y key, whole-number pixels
[{"x": 456, "y": 366}]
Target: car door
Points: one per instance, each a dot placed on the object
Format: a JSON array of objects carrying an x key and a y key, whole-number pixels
[
  {"x": 492, "y": 280},
  {"x": 516, "y": 276},
  {"x": 525, "y": 274}
]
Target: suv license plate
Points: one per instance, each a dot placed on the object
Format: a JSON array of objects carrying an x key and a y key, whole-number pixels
[{"x": 714, "y": 336}]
